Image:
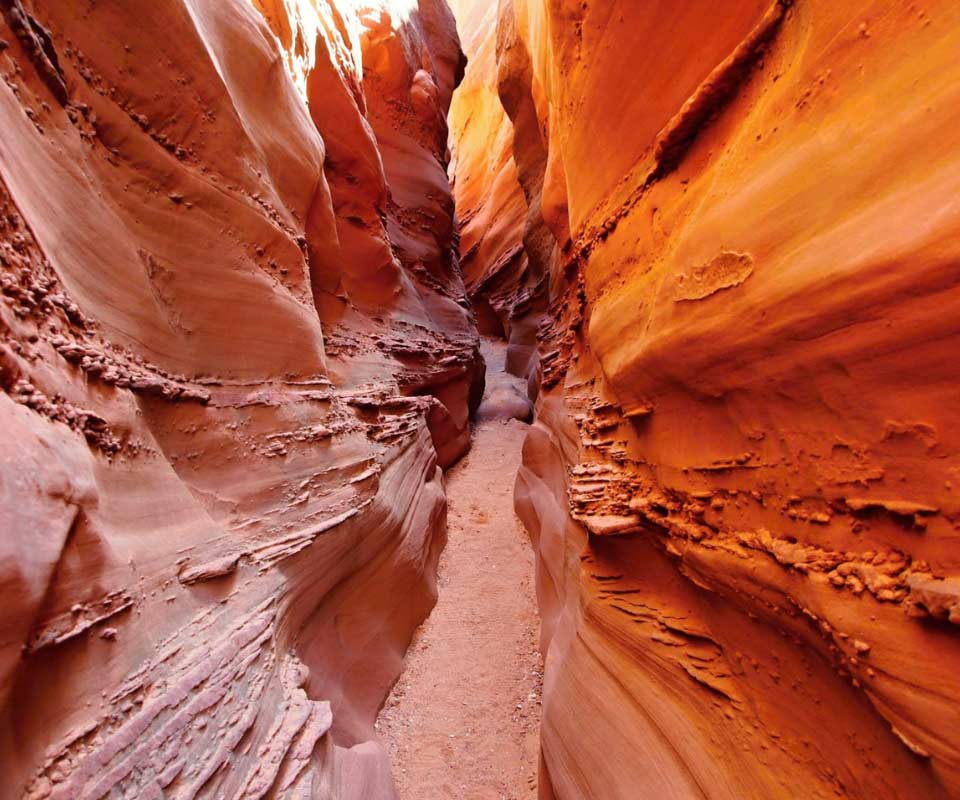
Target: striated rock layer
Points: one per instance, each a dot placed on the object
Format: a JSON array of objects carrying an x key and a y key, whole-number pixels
[
  {"x": 235, "y": 352},
  {"x": 742, "y": 482}
]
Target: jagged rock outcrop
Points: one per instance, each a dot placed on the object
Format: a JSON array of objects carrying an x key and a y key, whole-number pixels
[
  {"x": 235, "y": 351},
  {"x": 742, "y": 479}
]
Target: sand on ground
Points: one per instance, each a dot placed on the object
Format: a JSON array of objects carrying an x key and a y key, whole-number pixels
[{"x": 462, "y": 721}]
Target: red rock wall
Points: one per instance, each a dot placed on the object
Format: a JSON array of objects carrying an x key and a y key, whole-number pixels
[
  {"x": 506, "y": 249},
  {"x": 742, "y": 480},
  {"x": 235, "y": 350}
]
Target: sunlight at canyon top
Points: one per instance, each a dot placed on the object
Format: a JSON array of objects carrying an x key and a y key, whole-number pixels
[
  {"x": 304, "y": 25},
  {"x": 399, "y": 10}
]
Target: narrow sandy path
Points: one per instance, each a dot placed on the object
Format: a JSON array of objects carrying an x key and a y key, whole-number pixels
[{"x": 462, "y": 721}]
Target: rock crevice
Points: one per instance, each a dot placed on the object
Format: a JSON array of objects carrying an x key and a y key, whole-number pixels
[{"x": 238, "y": 350}]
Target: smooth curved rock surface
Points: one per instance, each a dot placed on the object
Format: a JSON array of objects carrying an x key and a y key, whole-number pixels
[
  {"x": 505, "y": 395},
  {"x": 742, "y": 479},
  {"x": 505, "y": 247},
  {"x": 235, "y": 352}
]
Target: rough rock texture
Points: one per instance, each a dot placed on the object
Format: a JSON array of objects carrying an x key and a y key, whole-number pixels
[
  {"x": 235, "y": 351},
  {"x": 742, "y": 481}
]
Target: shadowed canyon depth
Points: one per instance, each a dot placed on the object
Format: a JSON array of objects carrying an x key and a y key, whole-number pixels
[{"x": 499, "y": 400}]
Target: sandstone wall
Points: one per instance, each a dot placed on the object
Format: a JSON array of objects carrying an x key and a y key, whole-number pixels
[
  {"x": 506, "y": 249},
  {"x": 742, "y": 481},
  {"x": 235, "y": 351}
]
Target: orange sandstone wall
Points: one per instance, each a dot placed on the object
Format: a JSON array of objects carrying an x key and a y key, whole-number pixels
[
  {"x": 499, "y": 161},
  {"x": 742, "y": 483},
  {"x": 235, "y": 351}
]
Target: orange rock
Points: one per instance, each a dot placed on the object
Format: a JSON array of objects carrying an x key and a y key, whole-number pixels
[{"x": 760, "y": 282}]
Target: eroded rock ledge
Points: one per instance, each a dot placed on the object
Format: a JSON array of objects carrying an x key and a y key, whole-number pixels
[
  {"x": 733, "y": 229},
  {"x": 235, "y": 351}
]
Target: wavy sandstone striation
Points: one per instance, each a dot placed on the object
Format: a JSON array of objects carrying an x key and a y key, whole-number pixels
[
  {"x": 235, "y": 351},
  {"x": 506, "y": 248},
  {"x": 742, "y": 480}
]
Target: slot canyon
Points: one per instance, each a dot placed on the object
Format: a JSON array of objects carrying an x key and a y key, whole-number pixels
[{"x": 498, "y": 400}]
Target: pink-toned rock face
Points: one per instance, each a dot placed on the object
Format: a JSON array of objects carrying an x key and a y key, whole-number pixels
[
  {"x": 742, "y": 481},
  {"x": 235, "y": 351}
]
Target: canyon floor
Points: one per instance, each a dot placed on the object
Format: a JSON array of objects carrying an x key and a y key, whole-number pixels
[{"x": 462, "y": 721}]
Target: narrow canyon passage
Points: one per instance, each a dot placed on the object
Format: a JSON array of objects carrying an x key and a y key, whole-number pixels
[
  {"x": 462, "y": 721},
  {"x": 266, "y": 535}
]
